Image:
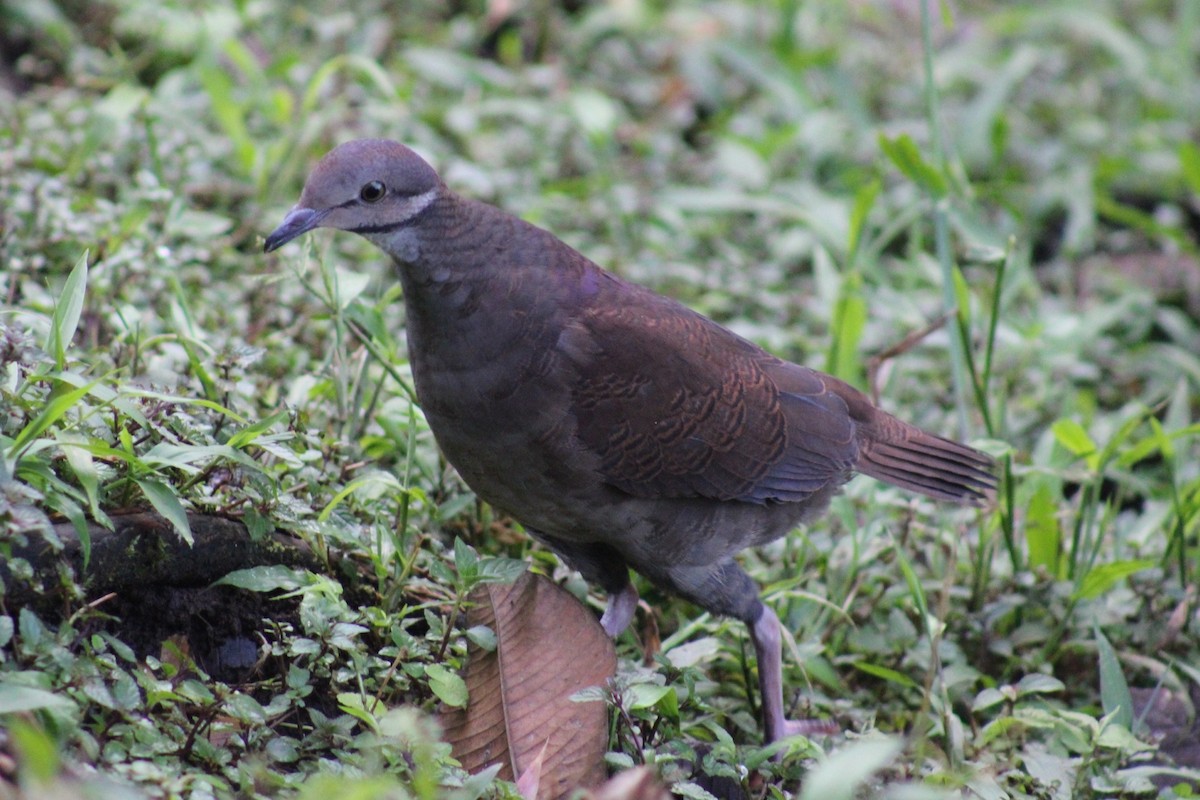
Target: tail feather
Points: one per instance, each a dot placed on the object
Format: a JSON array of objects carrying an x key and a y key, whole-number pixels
[
  {"x": 895, "y": 452},
  {"x": 913, "y": 459}
]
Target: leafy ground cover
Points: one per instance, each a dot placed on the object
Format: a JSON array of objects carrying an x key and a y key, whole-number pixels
[{"x": 826, "y": 178}]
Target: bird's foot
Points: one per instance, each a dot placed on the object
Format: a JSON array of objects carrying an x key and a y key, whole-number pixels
[
  {"x": 809, "y": 727},
  {"x": 619, "y": 611}
]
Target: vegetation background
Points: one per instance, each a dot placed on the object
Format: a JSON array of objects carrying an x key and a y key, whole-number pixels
[{"x": 826, "y": 178}]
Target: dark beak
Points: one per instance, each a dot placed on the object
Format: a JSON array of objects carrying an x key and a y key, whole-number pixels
[{"x": 298, "y": 221}]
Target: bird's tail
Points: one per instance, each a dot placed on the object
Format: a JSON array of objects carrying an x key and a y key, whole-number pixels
[{"x": 896, "y": 452}]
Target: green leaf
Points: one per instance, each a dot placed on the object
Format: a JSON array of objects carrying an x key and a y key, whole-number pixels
[
  {"x": 1071, "y": 435},
  {"x": 914, "y": 584},
  {"x": 228, "y": 112},
  {"x": 482, "y": 636},
  {"x": 125, "y": 692},
  {"x": 266, "y": 579},
  {"x": 466, "y": 562},
  {"x": 906, "y": 156},
  {"x": 244, "y": 708},
  {"x": 356, "y": 706},
  {"x": 17, "y": 699},
  {"x": 1104, "y": 577},
  {"x": 248, "y": 434},
  {"x": 691, "y": 791},
  {"x": 343, "y": 285},
  {"x": 37, "y": 753},
  {"x": 596, "y": 113},
  {"x": 365, "y": 67},
  {"x": 501, "y": 570},
  {"x": 96, "y": 690},
  {"x": 447, "y": 685},
  {"x": 383, "y": 481},
  {"x": 79, "y": 458},
  {"x": 31, "y": 628},
  {"x": 343, "y": 634},
  {"x": 53, "y": 411},
  {"x": 864, "y": 201},
  {"x": 886, "y": 673},
  {"x": 1037, "y": 683},
  {"x": 644, "y": 695},
  {"x": 166, "y": 502},
  {"x": 67, "y": 311},
  {"x": 1042, "y": 531},
  {"x": 849, "y": 321},
  {"x": 1189, "y": 164},
  {"x": 1114, "y": 691},
  {"x": 839, "y": 776},
  {"x": 988, "y": 698}
]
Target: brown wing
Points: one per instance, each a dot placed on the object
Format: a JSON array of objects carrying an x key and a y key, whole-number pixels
[{"x": 676, "y": 406}]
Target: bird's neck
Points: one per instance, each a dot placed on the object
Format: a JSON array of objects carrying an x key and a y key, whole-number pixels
[{"x": 477, "y": 283}]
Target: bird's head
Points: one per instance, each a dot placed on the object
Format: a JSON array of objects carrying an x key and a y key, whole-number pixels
[{"x": 371, "y": 187}]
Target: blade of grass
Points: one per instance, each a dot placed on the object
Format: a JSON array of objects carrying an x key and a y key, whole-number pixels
[
  {"x": 941, "y": 224},
  {"x": 67, "y": 312}
]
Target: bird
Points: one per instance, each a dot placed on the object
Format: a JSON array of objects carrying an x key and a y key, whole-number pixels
[{"x": 622, "y": 429}]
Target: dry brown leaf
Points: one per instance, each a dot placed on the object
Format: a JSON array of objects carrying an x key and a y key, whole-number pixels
[{"x": 548, "y": 647}]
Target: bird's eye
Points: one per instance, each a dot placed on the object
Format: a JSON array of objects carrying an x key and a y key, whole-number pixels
[{"x": 372, "y": 192}]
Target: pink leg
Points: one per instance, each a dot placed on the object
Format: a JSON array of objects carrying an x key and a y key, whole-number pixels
[{"x": 768, "y": 646}]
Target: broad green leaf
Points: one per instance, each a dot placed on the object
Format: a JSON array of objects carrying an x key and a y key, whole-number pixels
[
  {"x": 466, "y": 562},
  {"x": 483, "y": 636},
  {"x": 344, "y": 285},
  {"x": 644, "y": 695},
  {"x": 166, "y": 502},
  {"x": 244, "y": 708},
  {"x": 689, "y": 790},
  {"x": 988, "y": 698},
  {"x": 15, "y": 698},
  {"x": 449, "y": 687},
  {"x": 1037, "y": 683},
  {"x": 266, "y": 579},
  {"x": 501, "y": 570}
]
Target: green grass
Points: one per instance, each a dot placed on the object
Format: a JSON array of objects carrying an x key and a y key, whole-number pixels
[{"x": 1017, "y": 182}]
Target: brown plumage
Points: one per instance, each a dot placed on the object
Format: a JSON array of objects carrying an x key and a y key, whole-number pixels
[{"x": 621, "y": 428}]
